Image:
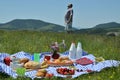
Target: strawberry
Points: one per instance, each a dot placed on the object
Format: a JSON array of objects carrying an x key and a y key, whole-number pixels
[
  {"x": 65, "y": 69},
  {"x": 65, "y": 73},
  {"x": 72, "y": 72}
]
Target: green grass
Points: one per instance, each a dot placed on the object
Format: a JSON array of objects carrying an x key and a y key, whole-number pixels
[{"x": 32, "y": 41}]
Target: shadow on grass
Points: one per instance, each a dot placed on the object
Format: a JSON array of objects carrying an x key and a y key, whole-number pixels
[{"x": 4, "y": 75}]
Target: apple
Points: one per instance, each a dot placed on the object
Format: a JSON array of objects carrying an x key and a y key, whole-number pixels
[{"x": 7, "y": 61}]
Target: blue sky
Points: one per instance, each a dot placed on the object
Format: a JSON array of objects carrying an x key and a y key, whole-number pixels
[{"x": 87, "y": 13}]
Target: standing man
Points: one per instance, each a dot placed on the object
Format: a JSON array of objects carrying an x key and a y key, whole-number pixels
[{"x": 69, "y": 19}]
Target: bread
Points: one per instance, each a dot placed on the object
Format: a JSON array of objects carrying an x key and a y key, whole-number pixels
[
  {"x": 40, "y": 74},
  {"x": 42, "y": 70},
  {"x": 64, "y": 58},
  {"x": 23, "y": 60},
  {"x": 57, "y": 61},
  {"x": 32, "y": 65}
]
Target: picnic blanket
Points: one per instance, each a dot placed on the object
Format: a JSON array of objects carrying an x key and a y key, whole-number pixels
[{"x": 95, "y": 67}]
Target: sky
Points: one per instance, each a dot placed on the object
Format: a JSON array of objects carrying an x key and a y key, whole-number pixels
[{"x": 87, "y": 13}]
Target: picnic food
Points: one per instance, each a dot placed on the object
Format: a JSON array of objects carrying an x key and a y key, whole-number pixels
[
  {"x": 23, "y": 60},
  {"x": 47, "y": 57},
  {"x": 43, "y": 73},
  {"x": 65, "y": 71},
  {"x": 35, "y": 65},
  {"x": 42, "y": 70},
  {"x": 84, "y": 61},
  {"x": 32, "y": 65},
  {"x": 64, "y": 58},
  {"x": 44, "y": 64},
  {"x": 40, "y": 74},
  {"x": 62, "y": 61},
  {"x": 49, "y": 75}
]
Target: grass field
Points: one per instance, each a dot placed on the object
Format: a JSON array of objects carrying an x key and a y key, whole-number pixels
[{"x": 31, "y": 41}]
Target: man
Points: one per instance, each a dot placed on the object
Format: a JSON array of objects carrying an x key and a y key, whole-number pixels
[{"x": 69, "y": 19}]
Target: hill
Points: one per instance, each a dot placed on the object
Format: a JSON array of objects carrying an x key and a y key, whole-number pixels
[
  {"x": 30, "y": 24},
  {"x": 102, "y": 28},
  {"x": 39, "y": 25},
  {"x": 108, "y": 25}
]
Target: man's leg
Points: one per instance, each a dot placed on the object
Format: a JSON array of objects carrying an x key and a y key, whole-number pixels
[{"x": 70, "y": 27}]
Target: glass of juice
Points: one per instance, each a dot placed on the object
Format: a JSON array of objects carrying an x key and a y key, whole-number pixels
[
  {"x": 36, "y": 57},
  {"x": 47, "y": 57}
]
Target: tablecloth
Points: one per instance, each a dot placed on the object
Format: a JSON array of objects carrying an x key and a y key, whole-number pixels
[{"x": 95, "y": 67}]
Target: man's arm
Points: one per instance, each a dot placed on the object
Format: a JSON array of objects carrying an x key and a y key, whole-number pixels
[
  {"x": 70, "y": 17},
  {"x": 69, "y": 20}
]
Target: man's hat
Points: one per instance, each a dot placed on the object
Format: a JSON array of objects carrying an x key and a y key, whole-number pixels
[{"x": 69, "y": 5}]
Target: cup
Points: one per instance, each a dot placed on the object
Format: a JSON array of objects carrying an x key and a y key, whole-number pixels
[
  {"x": 47, "y": 57},
  {"x": 36, "y": 57},
  {"x": 21, "y": 71}
]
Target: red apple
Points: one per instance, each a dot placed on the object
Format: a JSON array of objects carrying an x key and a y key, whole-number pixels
[{"x": 7, "y": 61}]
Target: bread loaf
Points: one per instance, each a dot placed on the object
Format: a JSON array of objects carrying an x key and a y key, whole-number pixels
[
  {"x": 23, "y": 60},
  {"x": 32, "y": 65}
]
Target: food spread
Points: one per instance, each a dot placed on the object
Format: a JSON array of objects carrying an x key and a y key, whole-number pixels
[{"x": 61, "y": 61}]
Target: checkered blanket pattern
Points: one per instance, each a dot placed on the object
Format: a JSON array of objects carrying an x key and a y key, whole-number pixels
[{"x": 94, "y": 67}]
